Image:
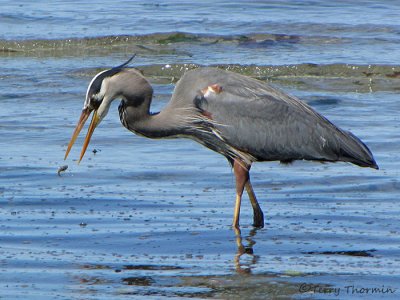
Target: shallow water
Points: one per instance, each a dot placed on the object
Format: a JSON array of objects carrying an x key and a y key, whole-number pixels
[{"x": 150, "y": 219}]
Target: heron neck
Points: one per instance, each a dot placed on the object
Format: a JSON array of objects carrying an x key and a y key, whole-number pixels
[{"x": 152, "y": 125}]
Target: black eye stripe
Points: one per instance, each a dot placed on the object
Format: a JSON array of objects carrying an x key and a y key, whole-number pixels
[
  {"x": 96, "y": 84},
  {"x": 95, "y": 104},
  {"x": 92, "y": 99}
]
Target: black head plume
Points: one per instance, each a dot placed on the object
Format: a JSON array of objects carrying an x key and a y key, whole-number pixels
[
  {"x": 125, "y": 63},
  {"x": 93, "y": 97}
]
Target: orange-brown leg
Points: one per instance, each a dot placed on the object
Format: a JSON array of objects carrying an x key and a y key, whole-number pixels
[
  {"x": 258, "y": 216},
  {"x": 242, "y": 176}
]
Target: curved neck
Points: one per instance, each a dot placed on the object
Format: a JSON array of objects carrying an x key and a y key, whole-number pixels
[{"x": 164, "y": 124}]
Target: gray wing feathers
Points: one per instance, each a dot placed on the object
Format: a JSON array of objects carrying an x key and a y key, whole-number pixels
[
  {"x": 270, "y": 125},
  {"x": 269, "y": 130}
]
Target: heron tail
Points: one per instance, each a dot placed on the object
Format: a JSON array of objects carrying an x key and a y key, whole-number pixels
[{"x": 355, "y": 151}]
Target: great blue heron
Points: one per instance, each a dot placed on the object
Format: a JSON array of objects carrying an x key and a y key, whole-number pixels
[{"x": 243, "y": 119}]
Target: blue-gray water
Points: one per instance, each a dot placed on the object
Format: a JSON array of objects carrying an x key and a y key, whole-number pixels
[{"x": 151, "y": 219}]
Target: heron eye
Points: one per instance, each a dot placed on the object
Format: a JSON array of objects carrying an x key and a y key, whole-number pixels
[
  {"x": 95, "y": 104},
  {"x": 94, "y": 101}
]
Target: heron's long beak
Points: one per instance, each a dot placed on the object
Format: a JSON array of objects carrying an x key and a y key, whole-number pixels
[
  {"x": 93, "y": 124},
  {"x": 83, "y": 118}
]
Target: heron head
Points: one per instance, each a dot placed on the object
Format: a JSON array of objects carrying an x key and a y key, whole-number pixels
[{"x": 100, "y": 93}]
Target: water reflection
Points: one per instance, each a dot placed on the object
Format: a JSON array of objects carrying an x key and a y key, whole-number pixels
[{"x": 245, "y": 259}]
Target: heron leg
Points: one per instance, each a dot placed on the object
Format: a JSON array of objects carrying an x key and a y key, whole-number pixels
[
  {"x": 258, "y": 215},
  {"x": 241, "y": 176}
]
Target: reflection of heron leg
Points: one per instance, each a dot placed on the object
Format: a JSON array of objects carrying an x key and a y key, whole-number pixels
[
  {"x": 245, "y": 267},
  {"x": 239, "y": 253},
  {"x": 258, "y": 216},
  {"x": 242, "y": 176},
  {"x": 239, "y": 243}
]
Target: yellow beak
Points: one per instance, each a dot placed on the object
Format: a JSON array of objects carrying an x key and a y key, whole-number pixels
[{"x": 83, "y": 118}]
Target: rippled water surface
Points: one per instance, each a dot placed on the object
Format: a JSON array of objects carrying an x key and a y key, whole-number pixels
[{"x": 150, "y": 219}]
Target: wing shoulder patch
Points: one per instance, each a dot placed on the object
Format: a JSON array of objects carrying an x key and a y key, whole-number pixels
[{"x": 201, "y": 99}]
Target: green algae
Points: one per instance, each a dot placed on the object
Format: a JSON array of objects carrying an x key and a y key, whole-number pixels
[{"x": 178, "y": 38}]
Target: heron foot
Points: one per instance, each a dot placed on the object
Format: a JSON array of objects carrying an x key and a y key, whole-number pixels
[{"x": 258, "y": 219}]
